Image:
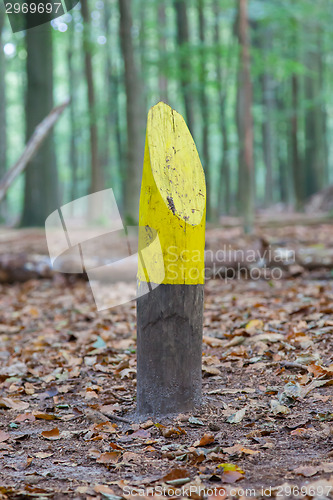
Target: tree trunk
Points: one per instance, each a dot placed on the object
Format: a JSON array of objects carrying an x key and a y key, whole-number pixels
[
  {"x": 315, "y": 150},
  {"x": 204, "y": 104},
  {"x": 41, "y": 180},
  {"x": 245, "y": 122},
  {"x": 113, "y": 159},
  {"x": 144, "y": 51},
  {"x": 162, "y": 79},
  {"x": 96, "y": 172},
  {"x": 135, "y": 117},
  {"x": 185, "y": 68},
  {"x": 265, "y": 36},
  {"x": 224, "y": 192},
  {"x": 3, "y": 112},
  {"x": 73, "y": 152},
  {"x": 298, "y": 175}
]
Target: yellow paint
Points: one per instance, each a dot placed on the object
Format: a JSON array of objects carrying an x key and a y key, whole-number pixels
[{"x": 172, "y": 202}]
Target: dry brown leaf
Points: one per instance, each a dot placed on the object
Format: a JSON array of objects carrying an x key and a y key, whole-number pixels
[
  {"x": 24, "y": 417},
  {"x": 44, "y": 416},
  {"x": 211, "y": 370},
  {"x": 254, "y": 326},
  {"x": 129, "y": 457},
  {"x": 212, "y": 342},
  {"x": 307, "y": 470},
  {"x": 94, "y": 453},
  {"x": 206, "y": 439},
  {"x": 52, "y": 435},
  {"x": 115, "y": 446},
  {"x": 110, "y": 457},
  {"x": 141, "y": 433},
  {"x": 238, "y": 448},
  {"x": 13, "y": 404},
  {"x": 106, "y": 427},
  {"x": 101, "y": 488},
  {"x": 42, "y": 454},
  {"x": 176, "y": 474},
  {"x": 4, "y": 436}
]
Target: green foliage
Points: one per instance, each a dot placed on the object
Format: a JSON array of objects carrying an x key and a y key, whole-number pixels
[{"x": 294, "y": 30}]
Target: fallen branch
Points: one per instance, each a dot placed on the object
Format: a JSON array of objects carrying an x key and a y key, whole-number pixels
[
  {"x": 31, "y": 148},
  {"x": 282, "y": 220}
]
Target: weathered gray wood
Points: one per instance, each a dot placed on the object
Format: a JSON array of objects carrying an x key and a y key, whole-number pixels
[{"x": 169, "y": 349}]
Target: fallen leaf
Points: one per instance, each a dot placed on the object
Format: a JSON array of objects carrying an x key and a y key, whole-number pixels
[
  {"x": 237, "y": 417},
  {"x": 141, "y": 433},
  {"x": 13, "y": 404},
  {"x": 211, "y": 370},
  {"x": 306, "y": 470},
  {"x": 44, "y": 416},
  {"x": 238, "y": 448},
  {"x": 212, "y": 342},
  {"x": 25, "y": 416},
  {"x": 299, "y": 432},
  {"x": 106, "y": 427},
  {"x": 130, "y": 457},
  {"x": 110, "y": 457},
  {"x": 106, "y": 492},
  {"x": 206, "y": 439},
  {"x": 176, "y": 474},
  {"x": 195, "y": 421},
  {"x": 52, "y": 435},
  {"x": 115, "y": 446},
  {"x": 254, "y": 326},
  {"x": 93, "y": 453},
  {"x": 231, "y": 473},
  {"x": 277, "y": 408},
  {"x": 4, "y": 436},
  {"x": 42, "y": 454}
]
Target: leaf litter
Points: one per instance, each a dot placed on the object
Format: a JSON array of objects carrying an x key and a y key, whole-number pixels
[{"x": 266, "y": 418}]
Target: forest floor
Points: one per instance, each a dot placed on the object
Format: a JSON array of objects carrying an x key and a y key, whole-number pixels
[{"x": 265, "y": 428}]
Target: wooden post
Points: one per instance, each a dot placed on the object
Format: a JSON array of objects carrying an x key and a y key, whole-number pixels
[{"x": 170, "y": 316}]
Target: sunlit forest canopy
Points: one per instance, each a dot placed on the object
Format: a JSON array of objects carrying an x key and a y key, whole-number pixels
[{"x": 252, "y": 78}]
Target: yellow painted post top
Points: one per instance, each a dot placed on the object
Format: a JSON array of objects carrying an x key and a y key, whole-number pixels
[{"x": 172, "y": 203}]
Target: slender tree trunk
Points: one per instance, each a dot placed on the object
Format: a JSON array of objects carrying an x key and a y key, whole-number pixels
[
  {"x": 162, "y": 79},
  {"x": 113, "y": 159},
  {"x": 224, "y": 192},
  {"x": 72, "y": 84},
  {"x": 265, "y": 36},
  {"x": 285, "y": 162},
  {"x": 185, "y": 66},
  {"x": 298, "y": 175},
  {"x": 41, "y": 180},
  {"x": 225, "y": 164},
  {"x": 315, "y": 150},
  {"x": 96, "y": 172},
  {"x": 268, "y": 135},
  {"x": 135, "y": 116},
  {"x": 204, "y": 104},
  {"x": 3, "y": 113},
  {"x": 143, "y": 67},
  {"x": 245, "y": 122}
]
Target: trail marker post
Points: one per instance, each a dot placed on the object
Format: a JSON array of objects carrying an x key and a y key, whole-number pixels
[{"x": 170, "y": 316}]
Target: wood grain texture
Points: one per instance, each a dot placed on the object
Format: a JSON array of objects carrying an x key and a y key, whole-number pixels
[{"x": 169, "y": 349}]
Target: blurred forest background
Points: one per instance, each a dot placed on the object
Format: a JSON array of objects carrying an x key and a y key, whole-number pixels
[{"x": 252, "y": 78}]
